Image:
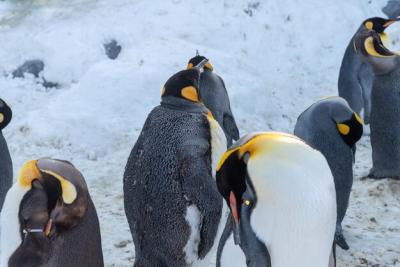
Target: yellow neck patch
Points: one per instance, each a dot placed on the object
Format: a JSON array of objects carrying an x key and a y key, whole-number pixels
[
  {"x": 190, "y": 93},
  {"x": 343, "y": 128},
  {"x": 28, "y": 173},
  {"x": 69, "y": 193},
  {"x": 370, "y": 48},
  {"x": 1, "y": 117}
]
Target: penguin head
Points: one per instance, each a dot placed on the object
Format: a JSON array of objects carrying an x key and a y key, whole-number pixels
[
  {"x": 184, "y": 84},
  {"x": 5, "y": 114},
  {"x": 350, "y": 129},
  {"x": 193, "y": 62},
  {"x": 248, "y": 175},
  {"x": 50, "y": 197},
  {"x": 369, "y": 45},
  {"x": 378, "y": 24}
]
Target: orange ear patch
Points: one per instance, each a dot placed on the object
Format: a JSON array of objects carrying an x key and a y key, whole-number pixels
[
  {"x": 28, "y": 173},
  {"x": 1, "y": 117},
  {"x": 190, "y": 93}
]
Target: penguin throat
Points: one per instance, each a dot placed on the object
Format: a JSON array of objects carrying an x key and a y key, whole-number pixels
[{"x": 177, "y": 103}]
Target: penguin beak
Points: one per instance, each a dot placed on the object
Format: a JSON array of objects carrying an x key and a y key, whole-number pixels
[
  {"x": 390, "y": 22},
  {"x": 235, "y": 215}
]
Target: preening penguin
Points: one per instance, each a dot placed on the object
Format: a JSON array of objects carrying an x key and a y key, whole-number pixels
[
  {"x": 333, "y": 128},
  {"x": 6, "y": 171},
  {"x": 356, "y": 76},
  {"x": 282, "y": 197},
  {"x": 385, "y": 115},
  {"x": 49, "y": 219},
  {"x": 173, "y": 207},
  {"x": 215, "y": 97}
]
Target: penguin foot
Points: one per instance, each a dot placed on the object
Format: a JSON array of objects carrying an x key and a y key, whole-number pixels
[{"x": 341, "y": 241}]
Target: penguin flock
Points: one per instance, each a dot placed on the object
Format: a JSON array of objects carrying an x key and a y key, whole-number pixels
[{"x": 190, "y": 181}]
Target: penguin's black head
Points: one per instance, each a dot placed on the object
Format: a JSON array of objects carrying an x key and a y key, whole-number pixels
[
  {"x": 5, "y": 114},
  {"x": 196, "y": 60},
  {"x": 184, "y": 84},
  {"x": 377, "y": 24},
  {"x": 351, "y": 130}
]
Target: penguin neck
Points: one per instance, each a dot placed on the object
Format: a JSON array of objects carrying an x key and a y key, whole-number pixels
[{"x": 177, "y": 103}]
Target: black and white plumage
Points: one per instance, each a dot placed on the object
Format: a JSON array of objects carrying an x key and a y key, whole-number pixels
[
  {"x": 6, "y": 168},
  {"x": 49, "y": 219},
  {"x": 172, "y": 203},
  {"x": 281, "y": 195},
  {"x": 356, "y": 76},
  {"x": 333, "y": 128}
]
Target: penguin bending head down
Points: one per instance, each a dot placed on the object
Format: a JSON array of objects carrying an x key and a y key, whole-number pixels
[
  {"x": 385, "y": 116},
  {"x": 49, "y": 219},
  {"x": 333, "y": 128},
  {"x": 6, "y": 169},
  {"x": 282, "y": 198},
  {"x": 215, "y": 97},
  {"x": 356, "y": 76},
  {"x": 172, "y": 203}
]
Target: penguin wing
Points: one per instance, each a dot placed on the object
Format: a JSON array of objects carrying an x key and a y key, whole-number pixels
[
  {"x": 332, "y": 258},
  {"x": 229, "y": 123},
  {"x": 200, "y": 189}
]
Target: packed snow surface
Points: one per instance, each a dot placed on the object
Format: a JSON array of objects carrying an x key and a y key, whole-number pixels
[{"x": 277, "y": 57}]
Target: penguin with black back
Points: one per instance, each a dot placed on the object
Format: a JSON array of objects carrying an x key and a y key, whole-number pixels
[
  {"x": 215, "y": 97},
  {"x": 333, "y": 128},
  {"x": 172, "y": 204},
  {"x": 6, "y": 168},
  {"x": 356, "y": 76},
  {"x": 49, "y": 220},
  {"x": 385, "y": 115}
]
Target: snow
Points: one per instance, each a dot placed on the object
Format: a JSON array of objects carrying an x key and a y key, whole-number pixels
[{"x": 276, "y": 58}]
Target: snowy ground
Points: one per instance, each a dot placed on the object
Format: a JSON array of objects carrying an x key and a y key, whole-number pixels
[{"x": 277, "y": 57}]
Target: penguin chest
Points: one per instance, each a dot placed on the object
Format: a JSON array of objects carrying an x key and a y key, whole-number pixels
[{"x": 218, "y": 143}]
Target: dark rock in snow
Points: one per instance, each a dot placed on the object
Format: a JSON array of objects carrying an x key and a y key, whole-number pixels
[
  {"x": 33, "y": 67},
  {"x": 112, "y": 49},
  {"x": 392, "y": 8}
]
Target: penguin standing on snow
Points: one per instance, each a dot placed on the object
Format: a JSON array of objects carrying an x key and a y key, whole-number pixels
[
  {"x": 356, "y": 76},
  {"x": 333, "y": 128},
  {"x": 173, "y": 207},
  {"x": 215, "y": 97},
  {"x": 49, "y": 219},
  {"x": 282, "y": 199},
  {"x": 6, "y": 171},
  {"x": 385, "y": 115}
]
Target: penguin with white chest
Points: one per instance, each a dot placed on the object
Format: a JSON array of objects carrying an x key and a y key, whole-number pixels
[
  {"x": 49, "y": 219},
  {"x": 215, "y": 97},
  {"x": 385, "y": 115},
  {"x": 6, "y": 169},
  {"x": 172, "y": 204},
  {"x": 333, "y": 128},
  {"x": 281, "y": 195},
  {"x": 356, "y": 76}
]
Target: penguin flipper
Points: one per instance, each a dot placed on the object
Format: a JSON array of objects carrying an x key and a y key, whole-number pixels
[
  {"x": 224, "y": 237},
  {"x": 332, "y": 258},
  {"x": 200, "y": 189},
  {"x": 230, "y": 126}
]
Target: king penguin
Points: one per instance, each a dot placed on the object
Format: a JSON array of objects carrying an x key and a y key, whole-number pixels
[
  {"x": 6, "y": 168},
  {"x": 215, "y": 97},
  {"x": 281, "y": 196},
  {"x": 385, "y": 115},
  {"x": 49, "y": 219},
  {"x": 173, "y": 207},
  {"x": 333, "y": 128},
  {"x": 355, "y": 76}
]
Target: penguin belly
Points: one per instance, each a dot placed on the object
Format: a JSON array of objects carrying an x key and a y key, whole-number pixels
[
  {"x": 296, "y": 219},
  {"x": 171, "y": 198},
  {"x": 385, "y": 126},
  {"x": 6, "y": 171}
]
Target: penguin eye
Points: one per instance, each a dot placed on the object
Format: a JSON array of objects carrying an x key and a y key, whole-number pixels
[{"x": 247, "y": 202}]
